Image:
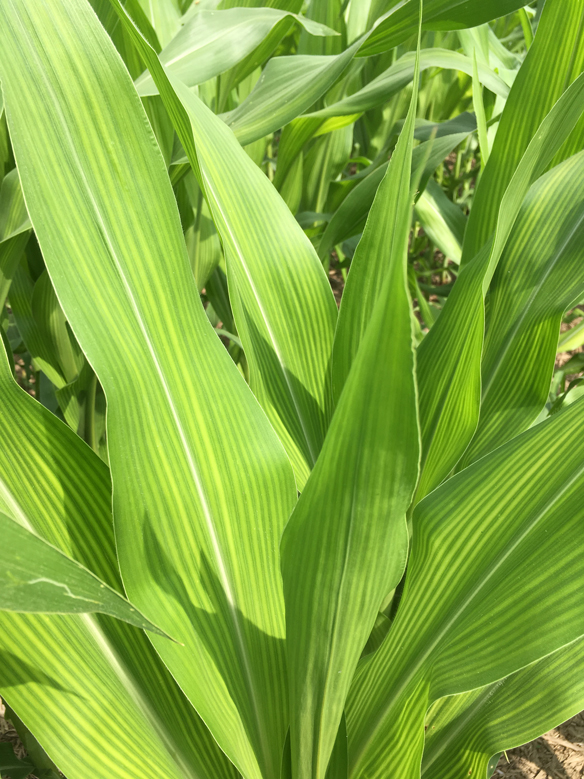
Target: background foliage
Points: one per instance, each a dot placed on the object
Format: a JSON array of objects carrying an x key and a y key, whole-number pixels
[{"x": 291, "y": 460}]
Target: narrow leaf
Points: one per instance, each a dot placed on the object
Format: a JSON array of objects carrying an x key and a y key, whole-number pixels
[
  {"x": 535, "y": 90},
  {"x": 349, "y": 218},
  {"x": 211, "y": 42},
  {"x": 60, "y": 490},
  {"x": 449, "y": 357},
  {"x": 494, "y": 584},
  {"x": 466, "y": 731},
  {"x": 347, "y": 538},
  {"x": 283, "y": 304},
  {"x": 399, "y": 23},
  {"x": 38, "y": 577},
  {"x": 93, "y": 177},
  {"x": 539, "y": 276}
]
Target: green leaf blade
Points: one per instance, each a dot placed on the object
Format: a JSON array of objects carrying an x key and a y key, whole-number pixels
[
  {"x": 538, "y": 278},
  {"x": 535, "y": 91},
  {"x": 59, "y": 488},
  {"x": 465, "y": 731},
  {"x": 189, "y": 471},
  {"x": 352, "y": 513},
  {"x": 399, "y": 23},
  {"x": 211, "y": 42},
  {"x": 284, "y": 310},
  {"x": 38, "y": 577},
  {"x": 508, "y": 600}
]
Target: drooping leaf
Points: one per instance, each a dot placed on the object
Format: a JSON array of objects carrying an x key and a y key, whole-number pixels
[
  {"x": 401, "y": 73},
  {"x": 493, "y": 584},
  {"x": 399, "y": 23},
  {"x": 227, "y": 488},
  {"x": 465, "y": 731},
  {"x": 38, "y": 577},
  {"x": 211, "y": 42},
  {"x": 287, "y": 87},
  {"x": 347, "y": 538},
  {"x": 283, "y": 305}
]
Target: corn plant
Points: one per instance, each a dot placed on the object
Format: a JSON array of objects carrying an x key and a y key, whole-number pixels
[{"x": 245, "y": 531}]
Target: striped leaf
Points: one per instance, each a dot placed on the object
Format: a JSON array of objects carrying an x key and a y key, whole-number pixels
[
  {"x": 283, "y": 305},
  {"x": 494, "y": 584},
  {"x": 14, "y": 230},
  {"x": 465, "y": 732},
  {"x": 211, "y": 42},
  {"x": 37, "y": 577},
  {"x": 195, "y": 463},
  {"x": 347, "y": 538},
  {"x": 398, "y": 24},
  {"x": 535, "y": 90},
  {"x": 539, "y": 276},
  {"x": 449, "y": 358},
  {"x": 287, "y": 87},
  {"x": 77, "y": 667},
  {"x": 53, "y": 326},
  {"x": 401, "y": 73}
]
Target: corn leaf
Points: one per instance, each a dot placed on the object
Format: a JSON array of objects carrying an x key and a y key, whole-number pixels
[
  {"x": 14, "y": 230},
  {"x": 466, "y": 731},
  {"x": 401, "y": 73},
  {"x": 227, "y": 488},
  {"x": 211, "y": 42},
  {"x": 164, "y": 16},
  {"x": 349, "y": 218},
  {"x": 398, "y": 24},
  {"x": 38, "y": 577},
  {"x": 37, "y": 341},
  {"x": 493, "y": 584},
  {"x": 539, "y": 276},
  {"x": 535, "y": 90},
  {"x": 283, "y": 305},
  {"x": 347, "y": 538},
  {"x": 59, "y": 489},
  {"x": 287, "y": 87},
  {"x": 442, "y": 220},
  {"x": 52, "y": 323},
  {"x": 329, "y": 12},
  {"x": 449, "y": 358}
]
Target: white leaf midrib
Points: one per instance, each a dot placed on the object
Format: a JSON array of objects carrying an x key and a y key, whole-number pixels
[
  {"x": 111, "y": 655},
  {"x": 84, "y": 185}
]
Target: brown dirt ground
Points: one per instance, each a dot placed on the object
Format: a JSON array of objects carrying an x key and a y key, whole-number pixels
[
  {"x": 7, "y": 733},
  {"x": 558, "y": 754}
]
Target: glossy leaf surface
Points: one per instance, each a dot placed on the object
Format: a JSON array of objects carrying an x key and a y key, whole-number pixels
[{"x": 223, "y": 601}]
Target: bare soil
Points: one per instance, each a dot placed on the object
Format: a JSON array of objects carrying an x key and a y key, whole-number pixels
[{"x": 557, "y": 755}]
